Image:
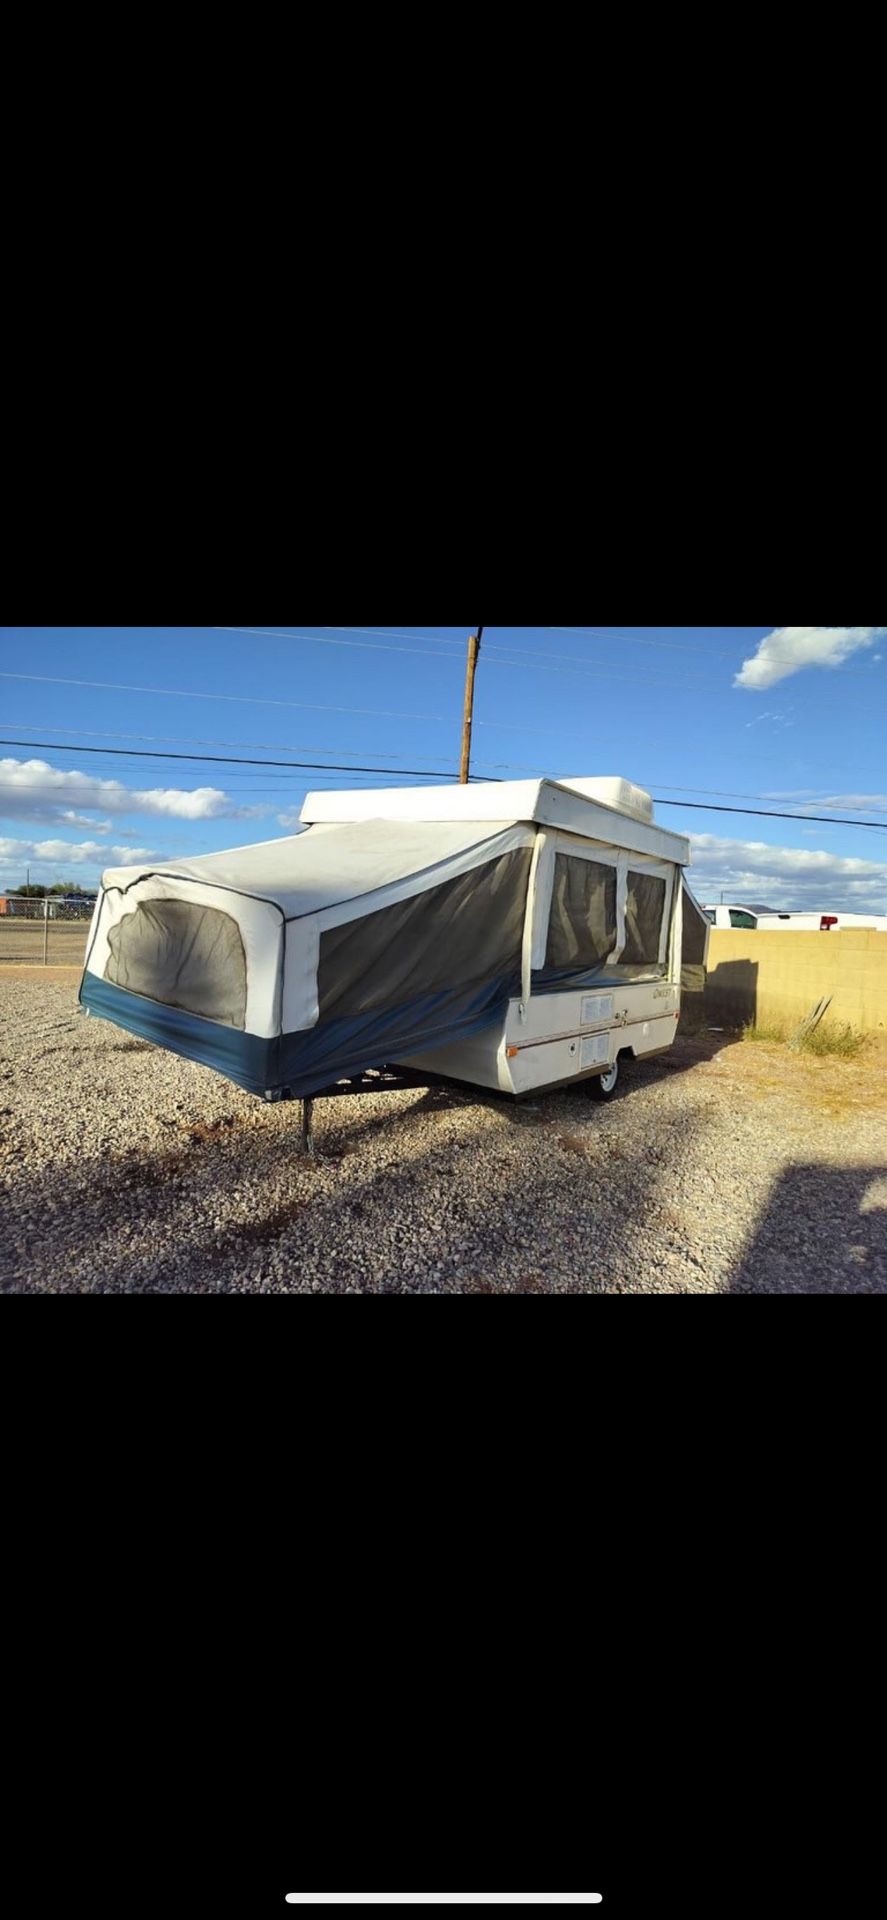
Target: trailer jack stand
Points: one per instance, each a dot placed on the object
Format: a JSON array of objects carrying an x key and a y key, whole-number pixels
[{"x": 308, "y": 1128}]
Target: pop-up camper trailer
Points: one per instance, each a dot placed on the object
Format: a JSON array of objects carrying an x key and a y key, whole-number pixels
[{"x": 517, "y": 935}]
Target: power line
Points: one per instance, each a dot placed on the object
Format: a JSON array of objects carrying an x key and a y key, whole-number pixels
[
  {"x": 265, "y": 746},
  {"x": 681, "y": 646},
  {"x": 718, "y": 793},
  {"x": 197, "y": 740},
  {"x": 66, "y": 794},
  {"x": 595, "y": 633},
  {"x": 397, "y": 634},
  {"x": 518, "y": 658},
  {"x": 401, "y": 773},
  {"x": 221, "y": 759},
  {"x": 767, "y": 813},
  {"x": 251, "y": 700},
  {"x": 619, "y": 633},
  {"x": 425, "y": 773},
  {"x": 234, "y": 699},
  {"x": 83, "y": 791},
  {"x": 497, "y": 654},
  {"x": 608, "y": 633},
  {"x": 322, "y": 640},
  {"x": 432, "y": 651},
  {"x": 303, "y": 746},
  {"x": 525, "y": 661}
]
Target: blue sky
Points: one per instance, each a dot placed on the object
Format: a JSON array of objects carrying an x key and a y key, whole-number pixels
[{"x": 790, "y": 717}]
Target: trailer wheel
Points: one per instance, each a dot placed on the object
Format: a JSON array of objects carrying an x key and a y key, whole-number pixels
[{"x": 604, "y": 1085}]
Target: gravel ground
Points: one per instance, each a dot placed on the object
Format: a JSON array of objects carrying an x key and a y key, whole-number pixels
[{"x": 721, "y": 1167}]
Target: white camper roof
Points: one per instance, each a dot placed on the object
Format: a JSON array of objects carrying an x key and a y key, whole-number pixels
[
  {"x": 310, "y": 872},
  {"x": 623, "y": 819}
]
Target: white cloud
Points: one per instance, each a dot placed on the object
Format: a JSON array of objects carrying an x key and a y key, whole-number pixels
[
  {"x": 204, "y": 803},
  {"x": 786, "y": 877},
  {"x": 72, "y": 819},
  {"x": 35, "y": 790},
  {"x": 16, "y": 855},
  {"x": 809, "y": 801},
  {"x": 788, "y": 650}
]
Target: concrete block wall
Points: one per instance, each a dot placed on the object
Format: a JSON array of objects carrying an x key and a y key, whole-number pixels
[{"x": 780, "y": 977}]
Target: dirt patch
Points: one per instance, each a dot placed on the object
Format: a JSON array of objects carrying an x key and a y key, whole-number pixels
[
  {"x": 201, "y": 1130},
  {"x": 769, "y": 1070},
  {"x": 262, "y": 1233},
  {"x": 573, "y": 1143},
  {"x": 51, "y": 975},
  {"x": 154, "y": 1173},
  {"x": 22, "y": 941},
  {"x": 526, "y": 1283}
]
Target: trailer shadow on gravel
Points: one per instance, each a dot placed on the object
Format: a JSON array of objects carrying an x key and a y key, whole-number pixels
[
  {"x": 338, "y": 1123},
  {"x": 561, "y": 1212},
  {"x": 698, "y": 1048},
  {"x": 824, "y": 1231}
]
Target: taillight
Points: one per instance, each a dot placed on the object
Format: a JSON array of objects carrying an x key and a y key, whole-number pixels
[{"x": 828, "y": 921}]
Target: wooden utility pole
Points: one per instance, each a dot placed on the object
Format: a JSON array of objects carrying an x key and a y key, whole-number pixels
[{"x": 473, "y": 657}]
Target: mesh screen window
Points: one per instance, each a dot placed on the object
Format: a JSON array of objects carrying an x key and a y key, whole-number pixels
[
  {"x": 582, "y": 926},
  {"x": 467, "y": 930},
  {"x": 644, "y": 914},
  {"x": 183, "y": 956}
]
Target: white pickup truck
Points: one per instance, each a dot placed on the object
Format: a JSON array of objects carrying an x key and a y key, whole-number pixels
[
  {"x": 821, "y": 922},
  {"x": 760, "y": 920},
  {"x": 727, "y": 917}
]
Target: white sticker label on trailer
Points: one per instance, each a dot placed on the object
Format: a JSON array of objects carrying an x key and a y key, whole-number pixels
[
  {"x": 595, "y": 1050},
  {"x": 595, "y": 1010}
]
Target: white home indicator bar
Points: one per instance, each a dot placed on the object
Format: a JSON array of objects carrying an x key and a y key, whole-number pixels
[{"x": 444, "y": 1899}]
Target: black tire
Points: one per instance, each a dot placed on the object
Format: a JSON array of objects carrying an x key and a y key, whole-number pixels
[{"x": 605, "y": 1086}]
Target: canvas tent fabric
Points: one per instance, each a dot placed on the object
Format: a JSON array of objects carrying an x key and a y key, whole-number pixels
[
  {"x": 696, "y": 936},
  {"x": 315, "y": 870},
  {"x": 287, "y": 964},
  {"x": 468, "y": 928}
]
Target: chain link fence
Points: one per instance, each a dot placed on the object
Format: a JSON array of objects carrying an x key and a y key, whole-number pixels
[{"x": 48, "y": 933}]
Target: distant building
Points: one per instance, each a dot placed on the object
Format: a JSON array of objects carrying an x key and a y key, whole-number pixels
[{"x": 52, "y": 906}]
